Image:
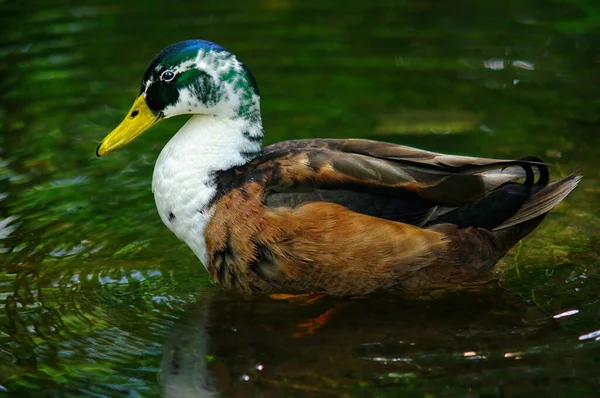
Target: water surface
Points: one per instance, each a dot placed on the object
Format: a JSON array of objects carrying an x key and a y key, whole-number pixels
[{"x": 98, "y": 299}]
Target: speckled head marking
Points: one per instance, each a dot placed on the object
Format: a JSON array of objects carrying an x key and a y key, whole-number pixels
[
  {"x": 192, "y": 77},
  {"x": 200, "y": 77}
]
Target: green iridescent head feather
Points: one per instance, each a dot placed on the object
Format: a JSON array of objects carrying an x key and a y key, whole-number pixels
[
  {"x": 191, "y": 77},
  {"x": 198, "y": 76}
]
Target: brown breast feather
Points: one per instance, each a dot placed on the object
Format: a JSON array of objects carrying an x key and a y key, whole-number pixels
[{"x": 315, "y": 247}]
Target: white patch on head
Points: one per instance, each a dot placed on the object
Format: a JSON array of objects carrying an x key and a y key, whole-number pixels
[{"x": 216, "y": 64}]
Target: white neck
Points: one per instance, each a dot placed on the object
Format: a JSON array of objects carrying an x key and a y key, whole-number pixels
[{"x": 183, "y": 181}]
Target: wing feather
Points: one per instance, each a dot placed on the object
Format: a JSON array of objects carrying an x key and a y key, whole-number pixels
[{"x": 374, "y": 166}]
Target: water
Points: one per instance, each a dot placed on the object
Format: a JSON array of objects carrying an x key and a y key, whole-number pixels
[{"x": 98, "y": 299}]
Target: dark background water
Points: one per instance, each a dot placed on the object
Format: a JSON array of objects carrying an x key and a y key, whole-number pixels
[{"x": 97, "y": 298}]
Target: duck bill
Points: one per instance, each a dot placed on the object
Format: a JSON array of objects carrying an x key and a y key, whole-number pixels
[{"x": 139, "y": 119}]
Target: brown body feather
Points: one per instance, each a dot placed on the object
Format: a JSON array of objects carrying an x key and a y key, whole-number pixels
[{"x": 351, "y": 216}]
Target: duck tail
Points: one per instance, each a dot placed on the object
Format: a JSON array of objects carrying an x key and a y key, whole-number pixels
[
  {"x": 541, "y": 202},
  {"x": 477, "y": 250}
]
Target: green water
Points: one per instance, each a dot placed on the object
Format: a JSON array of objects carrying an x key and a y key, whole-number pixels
[{"x": 97, "y": 298}]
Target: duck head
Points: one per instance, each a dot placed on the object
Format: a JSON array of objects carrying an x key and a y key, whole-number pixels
[{"x": 190, "y": 77}]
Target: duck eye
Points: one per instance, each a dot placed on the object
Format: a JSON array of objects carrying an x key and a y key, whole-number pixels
[{"x": 167, "y": 76}]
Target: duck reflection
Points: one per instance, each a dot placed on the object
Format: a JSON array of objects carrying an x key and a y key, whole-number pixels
[{"x": 229, "y": 345}]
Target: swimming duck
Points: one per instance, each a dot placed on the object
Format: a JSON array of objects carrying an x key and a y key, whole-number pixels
[{"x": 344, "y": 217}]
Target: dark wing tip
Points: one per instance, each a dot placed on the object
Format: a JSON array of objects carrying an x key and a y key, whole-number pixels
[{"x": 542, "y": 168}]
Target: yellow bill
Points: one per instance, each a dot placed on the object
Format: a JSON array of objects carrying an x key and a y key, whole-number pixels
[{"x": 139, "y": 119}]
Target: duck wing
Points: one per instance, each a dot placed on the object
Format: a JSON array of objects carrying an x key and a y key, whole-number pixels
[{"x": 399, "y": 183}]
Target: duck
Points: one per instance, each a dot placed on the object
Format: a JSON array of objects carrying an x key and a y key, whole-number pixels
[{"x": 343, "y": 217}]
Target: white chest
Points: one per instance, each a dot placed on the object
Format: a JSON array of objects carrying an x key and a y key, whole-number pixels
[
  {"x": 181, "y": 197},
  {"x": 183, "y": 181}
]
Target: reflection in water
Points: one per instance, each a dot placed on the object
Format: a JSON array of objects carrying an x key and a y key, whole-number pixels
[
  {"x": 184, "y": 366},
  {"x": 235, "y": 346}
]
